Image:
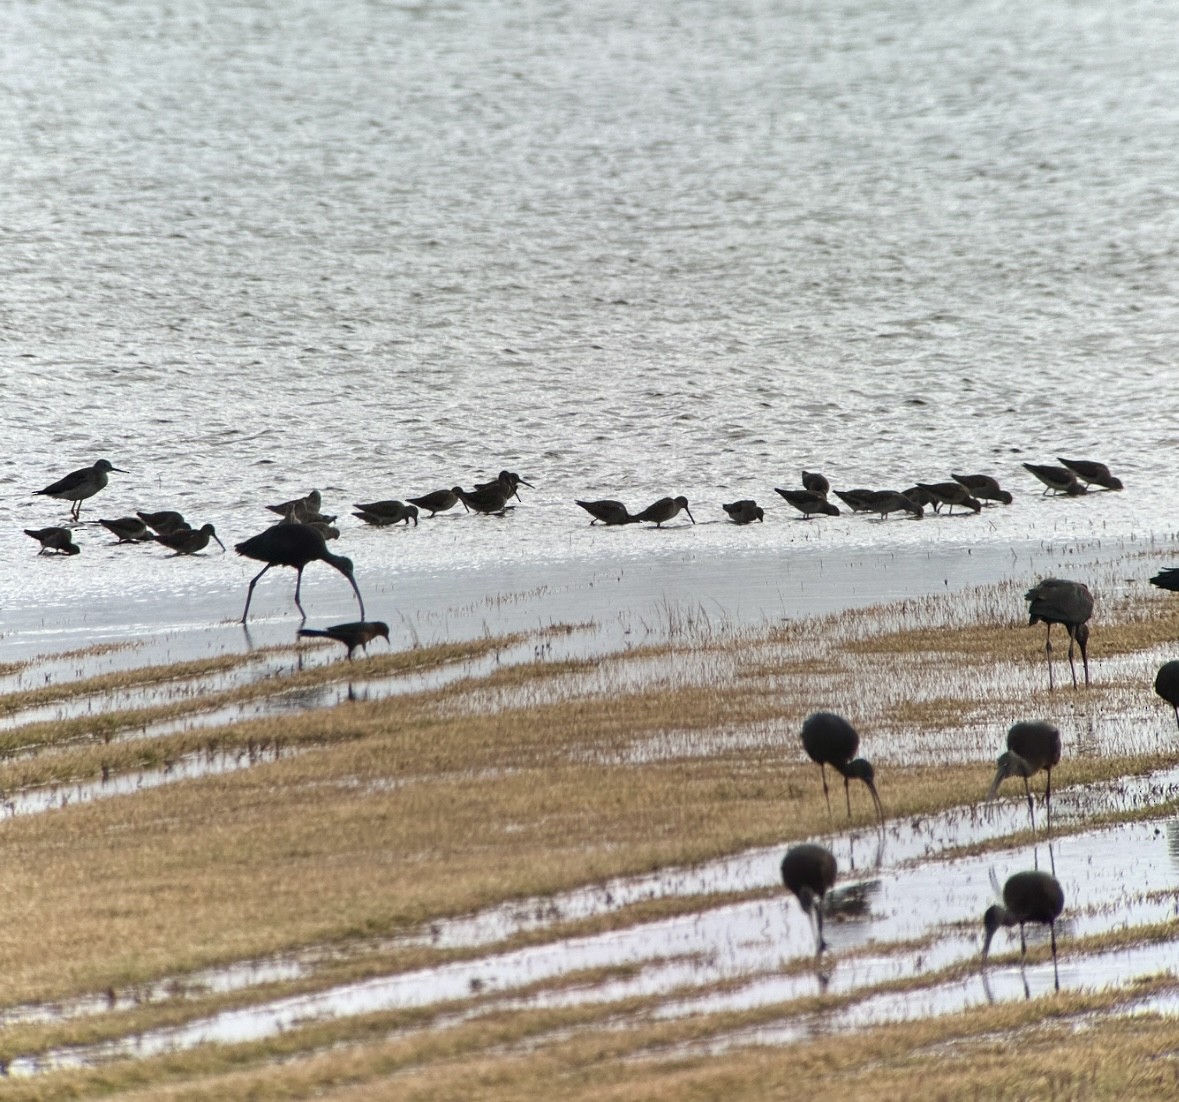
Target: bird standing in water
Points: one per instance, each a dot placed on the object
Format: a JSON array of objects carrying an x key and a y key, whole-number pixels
[
  {"x": 809, "y": 872},
  {"x": 356, "y": 634},
  {"x": 830, "y": 740},
  {"x": 79, "y": 485},
  {"x": 1060, "y": 601}
]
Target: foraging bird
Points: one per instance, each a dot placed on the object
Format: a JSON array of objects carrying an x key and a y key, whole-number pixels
[
  {"x": 809, "y": 872},
  {"x": 381, "y": 513},
  {"x": 808, "y": 502},
  {"x": 436, "y": 501},
  {"x": 357, "y": 634},
  {"x": 293, "y": 545},
  {"x": 128, "y": 529},
  {"x": 879, "y": 501},
  {"x": 1060, "y": 480},
  {"x": 858, "y": 500},
  {"x": 299, "y": 507},
  {"x": 54, "y": 539},
  {"x": 664, "y": 509},
  {"x": 1031, "y": 896},
  {"x": 1031, "y": 746},
  {"x": 744, "y": 511},
  {"x": 79, "y": 485},
  {"x": 1168, "y": 578},
  {"x": 188, "y": 541},
  {"x": 1090, "y": 472},
  {"x": 1166, "y": 684},
  {"x": 167, "y": 520},
  {"x": 507, "y": 480},
  {"x": 1059, "y": 601},
  {"x": 920, "y": 497},
  {"x": 983, "y": 487},
  {"x": 491, "y": 499},
  {"x": 830, "y": 740},
  {"x": 951, "y": 494},
  {"x": 816, "y": 483},
  {"x": 608, "y": 512}
]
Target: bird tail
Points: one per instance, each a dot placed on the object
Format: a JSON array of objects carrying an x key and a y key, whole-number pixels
[{"x": 315, "y": 632}]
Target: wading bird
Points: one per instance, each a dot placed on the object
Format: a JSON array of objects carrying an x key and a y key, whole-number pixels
[
  {"x": 1059, "y": 601},
  {"x": 744, "y": 511},
  {"x": 436, "y": 501},
  {"x": 809, "y": 872},
  {"x": 608, "y": 512},
  {"x": 1167, "y": 578},
  {"x": 381, "y": 513},
  {"x": 830, "y": 740},
  {"x": 188, "y": 541},
  {"x": 293, "y": 545},
  {"x": 167, "y": 520},
  {"x": 357, "y": 634},
  {"x": 950, "y": 494},
  {"x": 1089, "y": 472},
  {"x": 505, "y": 480},
  {"x": 60, "y": 540},
  {"x": 983, "y": 487},
  {"x": 299, "y": 507},
  {"x": 664, "y": 509},
  {"x": 1166, "y": 684},
  {"x": 128, "y": 529},
  {"x": 1031, "y": 746},
  {"x": 79, "y": 485},
  {"x": 492, "y": 498},
  {"x": 1031, "y": 896},
  {"x": 809, "y": 503},
  {"x": 816, "y": 483},
  {"x": 1060, "y": 480}
]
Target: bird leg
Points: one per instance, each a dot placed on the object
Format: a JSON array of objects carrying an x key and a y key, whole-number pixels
[
  {"x": 826, "y": 793},
  {"x": 1071, "y": 664},
  {"x": 1048, "y": 652},
  {"x": 1031, "y": 804},
  {"x": 298, "y": 583},
  {"x": 250, "y": 591},
  {"x": 847, "y": 793},
  {"x": 1055, "y": 969}
]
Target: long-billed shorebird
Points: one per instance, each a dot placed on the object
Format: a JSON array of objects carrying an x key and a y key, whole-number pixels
[
  {"x": 436, "y": 501},
  {"x": 664, "y": 509},
  {"x": 128, "y": 529},
  {"x": 950, "y": 494},
  {"x": 809, "y": 503},
  {"x": 1070, "y": 604},
  {"x": 299, "y": 507},
  {"x": 745, "y": 511},
  {"x": 809, "y": 872},
  {"x": 507, "y": 480},
  {"x": 382, "y": 513},
  {"x": 816, "y": 483},
  {"x": 77, "y": 486},
  {"x": 166, "y": 520},
  {"x": 188, "y": 541},
  {"x": 983, "y": 487},
  {"x": 359, "y": 633},
  {"x": 493, "y": 498},
  {"x": 1060, "y": 480},
  {"x": 1092, "y": 473},
  {"x": 608, "y": 511},
  {"x": 60, "y": 540}
]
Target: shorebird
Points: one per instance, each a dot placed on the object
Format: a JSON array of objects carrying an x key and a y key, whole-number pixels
[
  {"x": 54, "y": 539},
  {"x": 920, "y": 497},
  {"x": 951, "y": 494},
  {"x": 357, "y": 634},
  {"x": 808, "y": 502},
  {"x": 381, "y": 513},
  {"x": 744, "y": 511},
  {"x": 507, "y": 480},
  {"x": 1166, "y": 684},
  {"x": 79, "y": 485},
  {"x": 436, "y": 501},
  {"x": 1031, "y": 746},
  {"x": 809, "y": 872},
  {"x": 858, "y": 500},
  {"x": 1060, "y": 480},
  {"x": 879, "y": 501},
  {"x": 816, "y": 483},
  {"x": 983, "y": 487},
  {"x": 1058, "y": 601},
  {"x": 608, "y": 512},
  {"x": 830, "y": 740},
  {"x": 1090, "y": 472},
  {"x": 293, "y": 545},
  {"x": 664, "y": 509},
  {"x": 299, "y": 507},
  {"x": 492, "y": 499},
  {"x": 1031, "y": 896},
  {"x": 128, "y": 529},
  {"x": 168, "y": 520},
  {"x": 188, "y": 541}
]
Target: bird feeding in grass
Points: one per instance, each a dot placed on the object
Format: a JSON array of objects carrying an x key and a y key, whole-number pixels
[
  {"x": 830, "y": 740},
  {"x": 1031, "y": 896},
  {"x": 809, "y": 871},
  {"x": 1032, "y": 746}
]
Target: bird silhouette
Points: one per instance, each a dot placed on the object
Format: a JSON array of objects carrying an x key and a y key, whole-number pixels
[
  {"x": 816, "y": 483},
  {"x": 79, "y": 485},
  {"x": 830, "y": 740},
  {"x": 299, "y": 507},
  {"x": 436, "y": 501},
  {"x": 664, "y": 509},
  {"x": 1031, "y": 896},
  {"x": 188, "y": 541},
  {"x": 128, "y": 529},
  {"x": 293, "y": 545},
  {"x": 1167, "y": 578},
  {"x": 381, "y": 513},
  {"x": 1031, "y": 747},
  {"x": 167, "y": 520},
  {"x": 356, "y": 634},
  {"x": 505, "y": 480},
  {"x": 1166, "y": 684},
  {"x": 744, "y": 511},
  {"x": 609, "y": 512},
  {"x": 1059, "y": 601},
  {"x": 60, "y": 540},
  {"x": 983, "y": 487},
  {"x": 809, "y": 871},
  {"x": 809, "y": 503},
  {"x": 950, "y": 494},
  {"x": 1060, "y": 480},
  {"x": 1089, "y": 472}
]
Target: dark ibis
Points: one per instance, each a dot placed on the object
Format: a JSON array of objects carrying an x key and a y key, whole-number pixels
[
  {"x": 983, "y": 487},
  {"x": 744, "y": 511},
  {"x": 1031, "y": 747},
  {"x": 188, "y": 541},
  {"x": 357, "y": 634},
  {"x": 830, "y": 740},
  {"x": 1167, "y": 578},
  {"x": 1060, "y": 480},
  {"x": 809, "y": 872},
  {"x": 436, "y": 501},
  {"x": 1031, "y": 896},
  {"x": 1166, "y": 684},
  {"x": 1091, "y": 473},
  {"x": 809, "y": 503},
  {"x": 1070, "y": 604},
  {"x": 608, "y": 511},
  {"x": 664, "y": 509},
  {"x": 60, "y": 540},
  {"x": 293, "y": 545},
  {"x": 79, "y": 485}
]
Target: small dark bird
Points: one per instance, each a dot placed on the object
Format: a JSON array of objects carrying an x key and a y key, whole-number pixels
[
  {"x": 188, "y": 541},
  {"x": 1168, "y": 578},
  {"x": 167, "y": 520},
  {"x": 299, "y": 507},
  {"x": 1060, "y": 480},
  {"x": 493, "y": 498},
  {"x": 664, "y": 509},
  {"x": 1027, "y": 897},
  {"x": 436, "y": 501},
  {"x": 1089, "y": 473},
  {"x": 830, "y": 740},
  {"x": 54, "y": 539},
  {"x": 951, "y": 494},
  {"x": 357, "y": 634},
  {"x": 128, "y": 529},
  {"x": 808, "y": 502},
  {"x": 1031, "y": 746},
  {"x": 921, "y": 497},
  {"x": 608, "y": 512},
  {"x": 293, "y": 545},
  {"x": 744, "y": 511},
  {"x": 983, "y": 487},
  {"x": 816, "y": 483},
  {"x": 79, "y": 485},
  {"x": 1058, "y": 601},
  {"x": 858, "y": 500},
  {"x": 809, "y": 872},
  {"x": 507, "y": 480},
  {"x": 879, "y": 501},
  {"x": 381, "y": 513},
  {"x": 1166, "y": 684}
]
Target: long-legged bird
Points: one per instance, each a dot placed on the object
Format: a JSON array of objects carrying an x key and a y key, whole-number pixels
[
  {"x": 809, "y": 872},
  {"x": 1070, "y": 604},
  {"x": 830, "y": 740}
]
